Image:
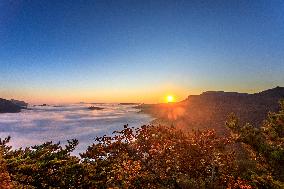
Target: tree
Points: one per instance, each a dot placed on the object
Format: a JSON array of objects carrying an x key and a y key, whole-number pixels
[
  {"x": 5, "y": 180},
  {"x": 265, "y": 147},
  {"x": 45, "y": 166},
  {"x": 160, "y": 157}
]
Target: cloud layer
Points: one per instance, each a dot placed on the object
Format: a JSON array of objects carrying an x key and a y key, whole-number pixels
[{"x": 40, "y": 124}]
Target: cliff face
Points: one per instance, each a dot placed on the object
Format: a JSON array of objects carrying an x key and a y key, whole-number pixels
[
  {"x": 20, "y": 103},
  {"x": 210, "y": 109},
  {"x": 7, "y": 106}
]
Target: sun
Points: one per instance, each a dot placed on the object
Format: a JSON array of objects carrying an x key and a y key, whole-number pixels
[{"x": 170, "y": 98}]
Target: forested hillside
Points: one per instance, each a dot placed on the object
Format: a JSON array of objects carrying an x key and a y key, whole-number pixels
[{"x": 210, "y": 109}]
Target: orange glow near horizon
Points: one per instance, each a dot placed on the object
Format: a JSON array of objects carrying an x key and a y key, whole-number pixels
[
  {"x": 150, "y": 95},
  {"x": 138, "y": 94}
]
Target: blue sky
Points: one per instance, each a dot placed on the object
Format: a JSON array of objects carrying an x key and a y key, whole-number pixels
[{"x": 55, "y": 51}]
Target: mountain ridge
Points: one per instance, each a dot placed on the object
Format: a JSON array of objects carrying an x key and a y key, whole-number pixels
[{"x": 211, "y": 109}]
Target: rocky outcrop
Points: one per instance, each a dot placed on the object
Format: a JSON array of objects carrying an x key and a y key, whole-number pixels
[
  {"x": 6, "y": 106},
  {"x": 20, "y": 103},
  {"x": 95, "y": 108}
]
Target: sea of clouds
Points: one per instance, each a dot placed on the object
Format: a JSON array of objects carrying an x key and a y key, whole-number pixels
[{"x": 60, "y": 123}]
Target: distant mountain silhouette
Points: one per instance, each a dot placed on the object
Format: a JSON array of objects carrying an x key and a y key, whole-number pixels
[
  {"x": 211, "y": 108},
  {"x": 6, "y": 106}
]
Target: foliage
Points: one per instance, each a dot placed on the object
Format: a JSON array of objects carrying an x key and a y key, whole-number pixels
[
  {"x": 44, "y": 166},
  {"x": 159, "y": 157},
  {"x": 265, "y": 147},
  {"x": 154, "y": 157},
  {"x": 147, "y": 157},
  {"x": 5, "y": 181}
]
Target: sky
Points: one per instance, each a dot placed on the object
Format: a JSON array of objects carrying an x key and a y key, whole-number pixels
[{"x": 138, "y": 51}]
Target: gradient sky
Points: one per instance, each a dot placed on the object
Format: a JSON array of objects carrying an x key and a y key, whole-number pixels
[{"x": 140, "y": 51}]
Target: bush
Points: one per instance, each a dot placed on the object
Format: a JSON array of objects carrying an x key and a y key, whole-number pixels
[
  {"x": 265, "y": 147},
  {"x": 155, "y": 157}
]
